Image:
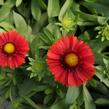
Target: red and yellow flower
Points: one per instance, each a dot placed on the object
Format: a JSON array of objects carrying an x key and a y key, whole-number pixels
[
  {"x": 13, "y": 49},
  {"x": 71, "y": 61}
]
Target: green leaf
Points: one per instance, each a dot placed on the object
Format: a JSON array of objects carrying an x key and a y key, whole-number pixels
[
  {"x": 42, "y": 4},
  {"x": 86, "y": 18},
  {"x": 97, "y": 8},
  {"x": 104, "y": 2},
  {"x": 5, "y": 9},
  {"x": 72, "y": 94},
  {"x": 13, "y": 92},
  {"x": 90, "y": 1},
  {"x": 102, "y": 101},
  {"x": 18, "y": 2},
  {"x": 7, "y": 26},
  {"x": 26, "y": 87},
  {"x": 47, "y": 37},
  {"x": 101, "y": 76},
  {"x": 53, "y": 8},
  {"x": 106, "y": 62},
  {"x": 41, "y": 23},
  {"x": 80, "y": 99},
  {"x": 89, "y": 104},
  {"x": 28, "y": 34},
  {"x": 33, "y": 104},
  {"x": 35, "y": 9},
  {"x": 58, "y": 105},
  {"x": 40, "y": 88},
  {"x": 35, "y": 45},
  {"x": 48, "y": 91},
  {"x": 54, "y": 29},
  {"x": 85, "y": 36},
  {"x": 102, "y": 20},
  {"x": 48, "y": 98},
  {"x": 16, "y": 104},
  {"x": 21, "y": 25},
  {"x": 1, "y": 2},
  {"x": 2, "y": 30},
  {"x": 75, "y": 105},
  {"x": 64, "y": 8},
  {"x": 29, "y": 86}
]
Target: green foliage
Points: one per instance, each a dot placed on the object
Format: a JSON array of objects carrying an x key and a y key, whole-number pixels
[
  {"x": 58, "y": 105},
  {"x": 64, "y": 9},
  {"x": 103, "y": 72},
  {"x": 89, "y": 104},
  {"x": 6, "y": 26},
  {"x": 72, "y": 94},
  {"x": 21, "y": 25},
  {"x": 97, "y": 7},
  {"x": 42, "y": 23},
  {"x": 5, "y": 9},
  {"x": 102, "y": 101},
  {"x": 74, "y": 106},
  {"x": 35, "y": 10},
  {"x": 53, "y": 5},
  {"x": 103, "y": 75},
  {"x": 29, "y": 101},
  {"x": 18, "y": 2},
  {"x": 1, "y": 2}
]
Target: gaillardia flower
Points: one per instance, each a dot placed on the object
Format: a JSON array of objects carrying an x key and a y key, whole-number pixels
[
  {"x": 13, "y": 49},
  {"x": 70, "y": 61}
]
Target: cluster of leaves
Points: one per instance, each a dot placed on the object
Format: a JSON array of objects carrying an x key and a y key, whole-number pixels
[{"x": 42, "y": 22}]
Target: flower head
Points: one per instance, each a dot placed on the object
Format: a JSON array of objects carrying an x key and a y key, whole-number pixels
[
  {"x": 70, "y": 61},
  {"x": 13, "y": 49},
  {"x": 67, "y": 22},
  {"x": 103, "y": 32}
]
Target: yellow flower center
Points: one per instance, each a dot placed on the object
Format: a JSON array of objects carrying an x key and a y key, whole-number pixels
[
  {"x": 67, "y": 22},
  {"x": 71, "y": 59},
  {"x": 9, "y": 48}
]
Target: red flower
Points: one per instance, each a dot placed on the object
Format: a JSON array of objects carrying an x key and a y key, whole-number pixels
[
  {"x": 70, "y": 61},
  {"x": 13, "y": 49}
]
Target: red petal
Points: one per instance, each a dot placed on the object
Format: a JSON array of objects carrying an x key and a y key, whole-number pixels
[{"x": 71, "y": 79}]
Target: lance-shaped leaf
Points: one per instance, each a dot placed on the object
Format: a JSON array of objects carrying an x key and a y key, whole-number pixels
[
  {"x": 89, "y": 104},
  {"x": 72, "y": 94},
  {"x": 53, "y": 8}
]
